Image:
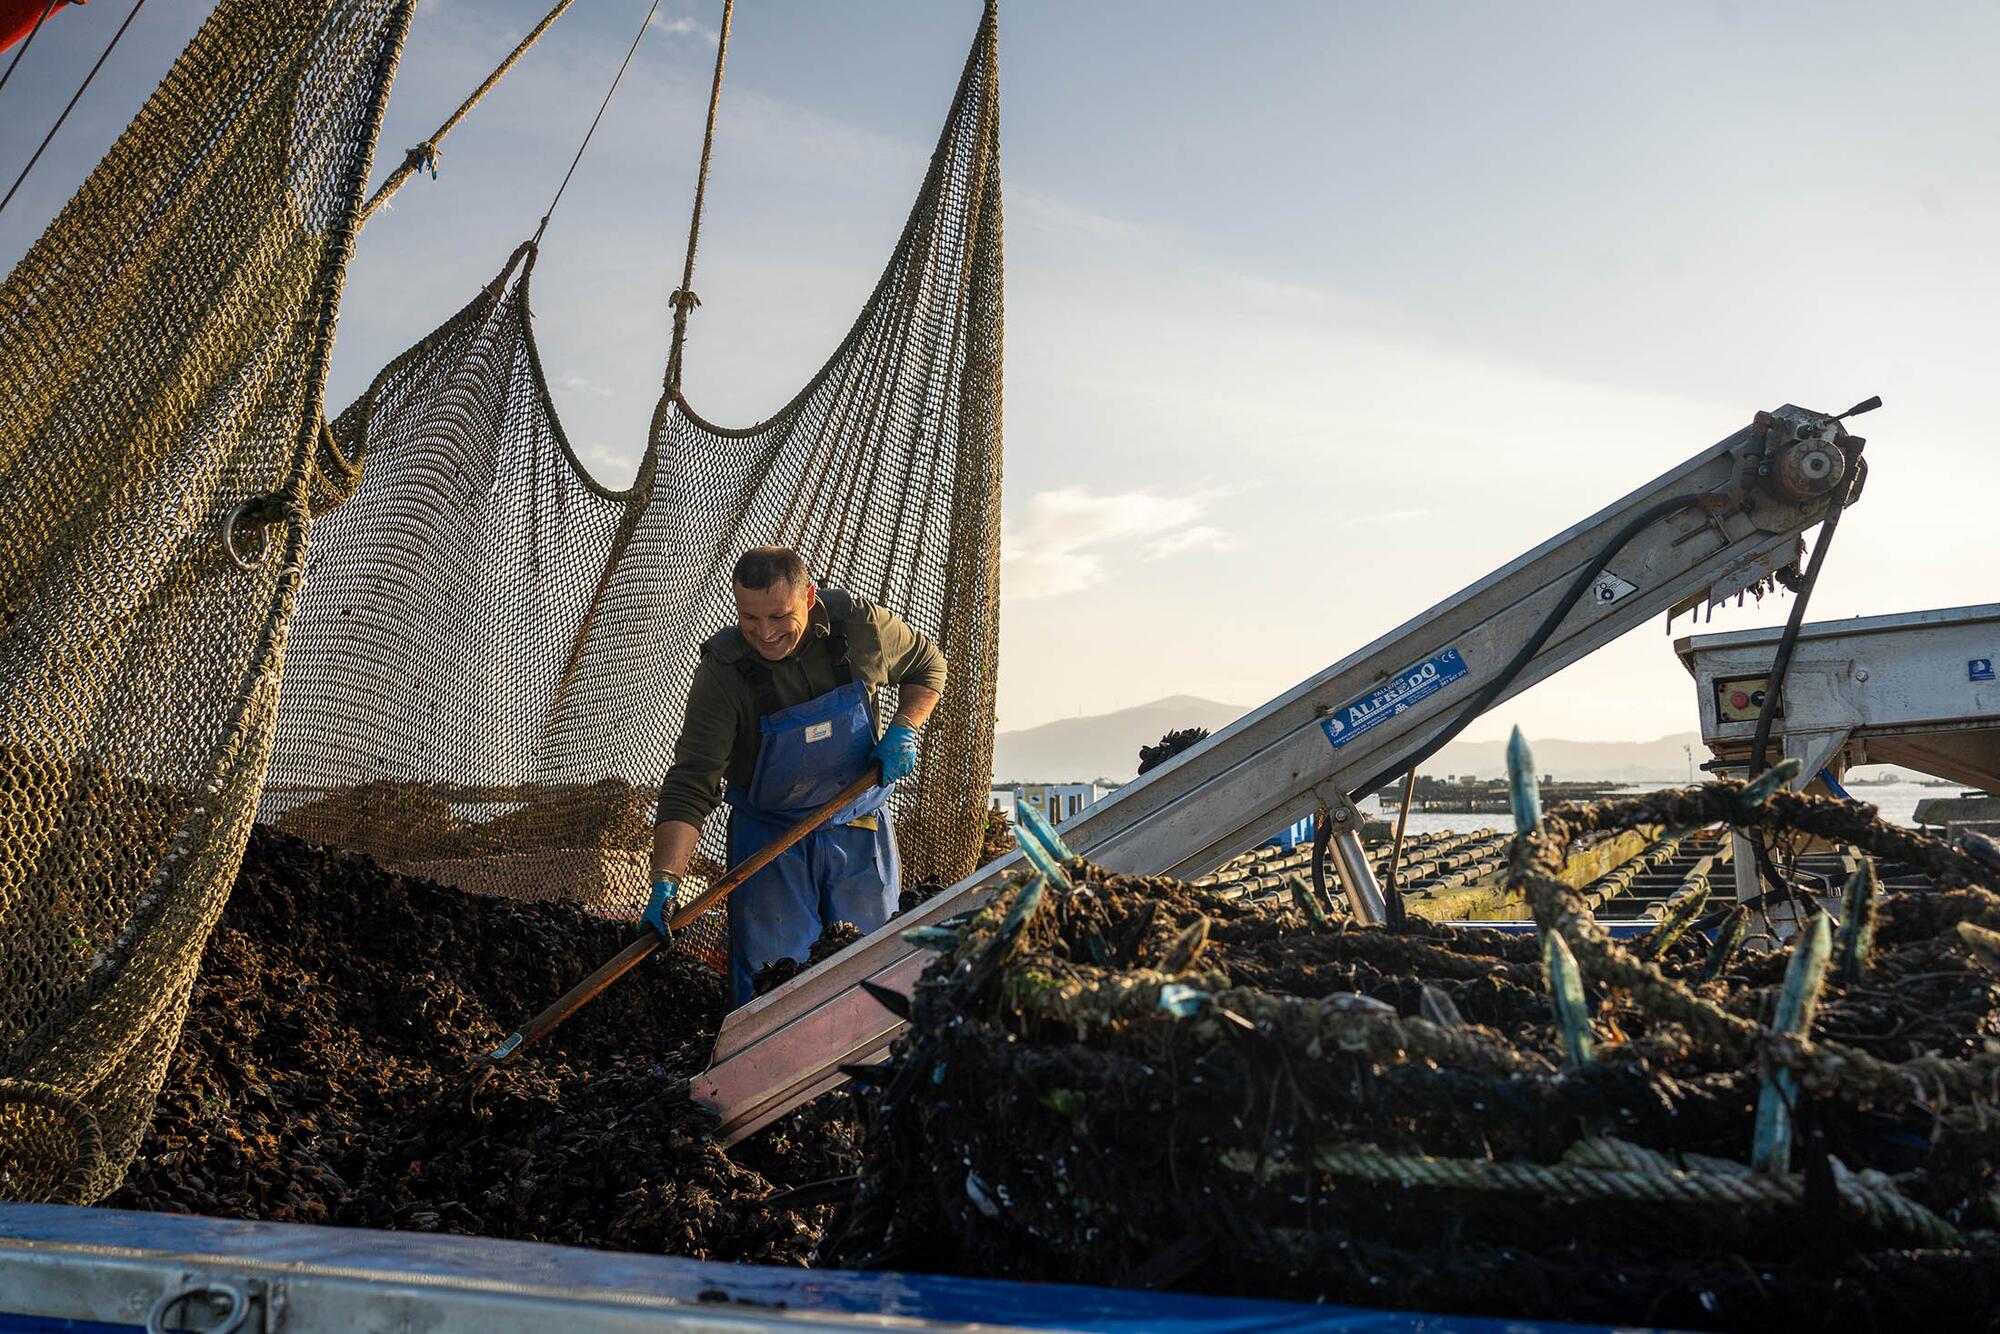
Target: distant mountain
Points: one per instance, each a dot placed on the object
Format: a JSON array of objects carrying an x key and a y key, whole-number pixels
[{"x": 1107, "y": 745}]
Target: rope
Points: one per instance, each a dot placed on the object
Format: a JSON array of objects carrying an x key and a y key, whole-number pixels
[
  {"x": 1089, "y": 997},
  {"x": 608, "y": 92},
  {"x": 683, "y": 299},
  {"x": 1827, "y": 1068},
  {"x": 1614, "y": 1170},
  {"x": 29, "y": 40},
  {"x": 426, "y": 152},
  {"x": 53, "y": 129}
]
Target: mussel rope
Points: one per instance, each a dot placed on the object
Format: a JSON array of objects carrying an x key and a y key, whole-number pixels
[
  {"x": 414, "y": 159},
  {"x": 49, "y": 138},
  {"x": 683, "y": 298},
  {"x": 29, "y": 40}
]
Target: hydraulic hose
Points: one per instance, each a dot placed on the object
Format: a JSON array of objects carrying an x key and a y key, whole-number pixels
[
  {"x": 1493, "y": 689},
  {"x": 1781, "y": 666}
]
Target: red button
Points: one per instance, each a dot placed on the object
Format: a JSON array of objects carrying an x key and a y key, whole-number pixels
[{"x": 1738, "y": 700}]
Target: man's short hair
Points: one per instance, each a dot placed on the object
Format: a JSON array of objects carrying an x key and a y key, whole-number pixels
[{"x": 760, "y": 567}]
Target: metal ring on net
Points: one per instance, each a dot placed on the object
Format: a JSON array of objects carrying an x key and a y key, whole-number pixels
[
  {"x": 86, "y": 1139},
  {"x": 260, "y": 512}
]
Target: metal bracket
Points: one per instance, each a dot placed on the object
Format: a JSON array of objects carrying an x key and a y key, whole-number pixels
[{"x": 1357, "y": 877}]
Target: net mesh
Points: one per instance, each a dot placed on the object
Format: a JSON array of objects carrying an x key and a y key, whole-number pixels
[
  {"x": 492, "y": 651},
  {"x": 162, "y": 352}
]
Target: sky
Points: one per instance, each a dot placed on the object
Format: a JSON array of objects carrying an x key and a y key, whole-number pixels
[{"x": 1316, "y": 312}]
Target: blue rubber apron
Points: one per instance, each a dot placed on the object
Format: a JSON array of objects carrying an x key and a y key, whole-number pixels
[{"x": 844, "y": 871}]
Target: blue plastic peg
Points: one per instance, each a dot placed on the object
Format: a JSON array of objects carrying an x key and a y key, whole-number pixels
[
  {"x": 938, "y": 938},
  {"x": 1566, "y": 999},
  {"x": 1728, "y": 939},
  {"x": 1024, "y": 907},
  {"x": 1181, "y": 1001},
  {"x": 1522, "y": 787},
  {"x": 1805, "y": 977},
  {"x": 1037, "y": 852},
  {"x": 1044, "y": 831},
  {"x": 1759, "y": 789},
  {"x": 1857, "y": 923}
]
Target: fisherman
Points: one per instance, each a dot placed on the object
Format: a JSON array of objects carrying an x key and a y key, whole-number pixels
[{"x": 779, "y": 720}]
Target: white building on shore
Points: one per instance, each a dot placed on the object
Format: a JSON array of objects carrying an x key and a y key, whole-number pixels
[{"x": 1057, "y": 801}]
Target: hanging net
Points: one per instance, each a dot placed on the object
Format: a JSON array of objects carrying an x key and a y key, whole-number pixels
[
  {"x": 162, "y": 352},
  {"x": 492, "y": 651}
]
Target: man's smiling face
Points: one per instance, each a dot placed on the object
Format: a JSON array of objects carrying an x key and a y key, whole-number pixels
[{"x": 773, "y": 620}]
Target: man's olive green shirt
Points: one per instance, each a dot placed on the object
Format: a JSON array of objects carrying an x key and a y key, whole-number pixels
[{"x": 720, "y": 738}]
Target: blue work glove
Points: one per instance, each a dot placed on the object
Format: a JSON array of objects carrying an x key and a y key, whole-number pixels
[
  {"x": 665, "y": 890},
  {"x": 898, "y": 752}
]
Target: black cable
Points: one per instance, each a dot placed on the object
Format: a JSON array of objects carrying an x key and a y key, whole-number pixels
[
  {"x": 1781, "y": 662},
  {"x": 1497, "y": 686},
  {"x": 630, "y": 51},
  {"x": 1322, "y": 839},
  {"x": 53, "y": 129},
  {"x": 1776, "y": 885},
  {"x": 1392, "y": 898},
  {"x": 1710, "y": 920},
  {"x": 28, "y": 41},
  {"x": 1781, "y": 666},
  {"x": 833, "y": 1190}
]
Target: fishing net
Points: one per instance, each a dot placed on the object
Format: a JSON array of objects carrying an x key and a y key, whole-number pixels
[
  {"x": 1150, "y": 1083},
  {"x": 162, "y": 352},
  {"x": 493, "y": 651}
]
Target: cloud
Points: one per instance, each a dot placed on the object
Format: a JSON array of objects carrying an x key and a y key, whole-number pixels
[
  {"x": 1066, "y": 539},
  {"x": 685, "y": 27},
  {"x": 572, "y": 383},
  {"x": 1035, "y": 208},
  {"x": 1201, "y": 537}
]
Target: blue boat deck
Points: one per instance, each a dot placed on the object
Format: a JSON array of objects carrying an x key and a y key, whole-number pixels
[{"x": 102, "y": 1270}]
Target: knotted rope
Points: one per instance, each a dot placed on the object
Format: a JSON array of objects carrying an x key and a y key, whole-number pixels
[
  {"x": 425, "y": 154},
  {"x": 1610, "y": 1169},
  {"x": 683, "y": 299}
]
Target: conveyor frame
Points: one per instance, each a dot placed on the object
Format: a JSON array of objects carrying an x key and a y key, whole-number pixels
[{"x": 1366, "y": 718}]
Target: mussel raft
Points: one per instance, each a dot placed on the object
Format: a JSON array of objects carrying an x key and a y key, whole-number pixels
[{"x": 1140, "y": 1081}]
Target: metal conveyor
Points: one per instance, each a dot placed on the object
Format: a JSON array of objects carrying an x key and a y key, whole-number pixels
[{"x": 1723, "y": 521}]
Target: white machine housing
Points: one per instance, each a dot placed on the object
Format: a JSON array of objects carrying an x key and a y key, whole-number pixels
[{"x": 1917, "y": 689}]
